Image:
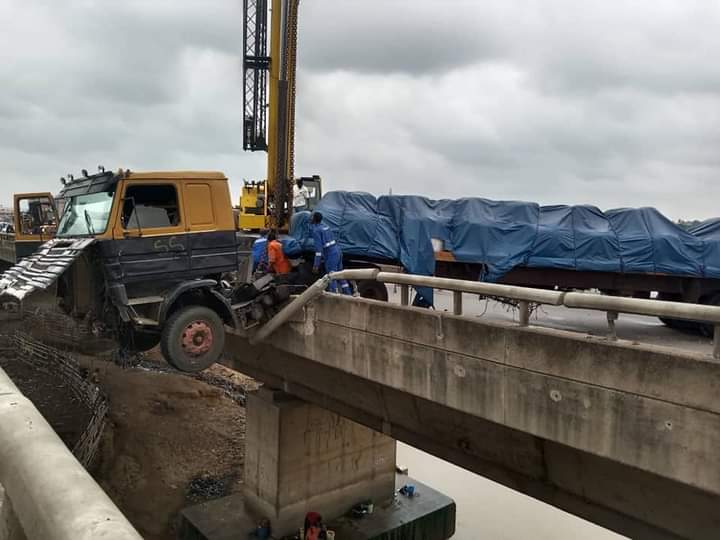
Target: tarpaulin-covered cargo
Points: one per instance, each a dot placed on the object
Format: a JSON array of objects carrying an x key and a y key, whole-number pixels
[
  {"x": 506, "y": 234},
  {"x": 709, "y": 232},
  {"x": 651, "y": 243}
]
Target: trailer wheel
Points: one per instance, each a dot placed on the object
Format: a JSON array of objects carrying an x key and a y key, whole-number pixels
[
  {"x": 193, "y": 338},
  {"x": 373, "y": 290},
  {"x": 676, "y": 324},
  {"x": 708, "y": 329}
]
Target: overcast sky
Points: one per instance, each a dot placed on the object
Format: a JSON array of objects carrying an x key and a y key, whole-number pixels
[{"x": 613, "y": 103}]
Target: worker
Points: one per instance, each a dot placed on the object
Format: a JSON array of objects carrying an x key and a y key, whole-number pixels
[
  {"x": 278, "y": 263},
  {"x": 259, "y": 253},
  {"x": 327, "y": 249},
  {"x": 300, "y": 196},
  {"x": 314, "y": 528}
]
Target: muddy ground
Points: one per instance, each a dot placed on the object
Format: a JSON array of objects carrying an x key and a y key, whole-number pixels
[{"x": 171, "y": 441}]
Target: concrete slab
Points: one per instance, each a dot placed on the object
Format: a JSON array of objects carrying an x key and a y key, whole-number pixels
[{"x": 429, "y": 515}]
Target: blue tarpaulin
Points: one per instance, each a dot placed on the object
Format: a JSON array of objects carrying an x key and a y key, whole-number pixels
[
  {"x": 709, "y": 232},
  {"x": 506, "y": 234}
]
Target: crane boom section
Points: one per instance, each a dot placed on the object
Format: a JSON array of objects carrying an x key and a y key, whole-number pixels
[{"x": 269, "y": 203}]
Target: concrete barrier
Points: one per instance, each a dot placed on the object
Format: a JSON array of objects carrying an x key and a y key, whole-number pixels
[{"x": 52, "y": 495}]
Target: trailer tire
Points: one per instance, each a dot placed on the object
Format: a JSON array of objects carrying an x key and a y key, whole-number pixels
[
  {"x": 372, "y": 290},
  {"x": 708, "y": 329},
  {"x": 677, "y": 324},
  {"x": 193, "y": 338}
]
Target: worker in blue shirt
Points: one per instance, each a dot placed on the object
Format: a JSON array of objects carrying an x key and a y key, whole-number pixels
[
  {"x": 260, "y": 253},
  {"x": 326, "y": 249}
]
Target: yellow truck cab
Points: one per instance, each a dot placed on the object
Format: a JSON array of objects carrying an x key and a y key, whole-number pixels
[{"x": 34, "y": 223}]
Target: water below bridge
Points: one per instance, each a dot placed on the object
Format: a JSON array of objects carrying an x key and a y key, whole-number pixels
[{"x": 489, "y": 511}]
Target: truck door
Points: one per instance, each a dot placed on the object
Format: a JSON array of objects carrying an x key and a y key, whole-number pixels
[
  {"x": 212, "y": 239},
  {"x": 150, "y": 233}
]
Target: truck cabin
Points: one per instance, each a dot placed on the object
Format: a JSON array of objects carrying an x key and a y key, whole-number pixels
[
  {"x": 35, "y": 217},
  {"x": 122, "y": 205},
  {"x": 154, "y": 227},
  {"x": 34, "y": 222}
]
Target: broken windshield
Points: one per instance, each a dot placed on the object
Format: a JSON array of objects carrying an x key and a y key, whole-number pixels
[{"x": 86, "y": 215}]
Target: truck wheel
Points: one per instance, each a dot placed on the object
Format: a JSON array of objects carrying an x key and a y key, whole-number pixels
[
  {"x": 373, "y": 290},
  {"x": 193, "y": 339},
  {"x": 708, "y": 329},
  {"x": 676, "y": 324}
]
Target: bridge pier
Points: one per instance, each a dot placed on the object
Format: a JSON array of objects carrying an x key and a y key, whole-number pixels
[{"x": 299, "y": 458}]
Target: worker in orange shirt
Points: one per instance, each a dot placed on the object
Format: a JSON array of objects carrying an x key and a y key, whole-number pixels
[{"x": 277, "y": 261}]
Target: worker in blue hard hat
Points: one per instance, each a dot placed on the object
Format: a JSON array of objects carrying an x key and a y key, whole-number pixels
[{"x": 328, "y": 251}]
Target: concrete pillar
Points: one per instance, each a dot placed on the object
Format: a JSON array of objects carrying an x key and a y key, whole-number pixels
[{"x": 301, "y": 458}]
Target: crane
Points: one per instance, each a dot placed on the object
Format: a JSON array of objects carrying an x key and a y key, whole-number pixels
[{"x": 269, "y": 110}]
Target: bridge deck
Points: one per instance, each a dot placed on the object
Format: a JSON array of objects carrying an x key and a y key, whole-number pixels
[{"x": 619, "y": 433}]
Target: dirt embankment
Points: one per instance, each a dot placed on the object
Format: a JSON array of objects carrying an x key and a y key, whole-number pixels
[{"x": 171, "y": 441}]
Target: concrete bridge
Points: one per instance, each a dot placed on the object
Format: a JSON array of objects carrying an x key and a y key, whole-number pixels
[{"x": 618, "y": 433}]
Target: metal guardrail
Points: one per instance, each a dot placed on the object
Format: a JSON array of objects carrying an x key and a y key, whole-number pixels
[
  {"x": 525, "y": 297},
  {"x": 65, "y": 368},
  {"x": 52, "y": 495}
]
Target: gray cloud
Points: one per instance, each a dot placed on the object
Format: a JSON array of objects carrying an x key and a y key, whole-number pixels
[{"x": 614, "y": 104}]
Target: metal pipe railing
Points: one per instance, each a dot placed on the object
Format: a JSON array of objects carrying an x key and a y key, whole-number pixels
[
  {"x": 538, "y": 296},
  {"x": 312, "y": 292},
  {"x": 640, "y": 306},
  {"x": 525, "y": 296},
  {"x": 573, "y": 300},
  {"x": 52, "y": 495}
]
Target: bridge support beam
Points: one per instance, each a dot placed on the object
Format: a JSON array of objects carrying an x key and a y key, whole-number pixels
[{"x": 300, "y": 457}]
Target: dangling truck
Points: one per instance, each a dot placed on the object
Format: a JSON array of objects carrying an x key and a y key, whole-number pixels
[{"x": 143, "y": 257}]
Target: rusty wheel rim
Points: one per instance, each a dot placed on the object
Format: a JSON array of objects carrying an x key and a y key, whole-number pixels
[{"x": 197, "y": 338}]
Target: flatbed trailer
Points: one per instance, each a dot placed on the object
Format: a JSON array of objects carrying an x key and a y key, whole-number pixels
[{"x": 670, "y": 287}]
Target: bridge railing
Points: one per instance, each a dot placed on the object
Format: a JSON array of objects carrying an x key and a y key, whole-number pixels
[
  {"x": 52, "y": 496},
  {"x": 525, "y": 297}
]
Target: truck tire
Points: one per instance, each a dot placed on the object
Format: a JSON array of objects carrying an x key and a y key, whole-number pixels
[
  {"x": 373, "y": 290},
  {"x": 708, "y": 329},
  {"x": 675, "y": 324},
  {"x": 193, "y": 339}
]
